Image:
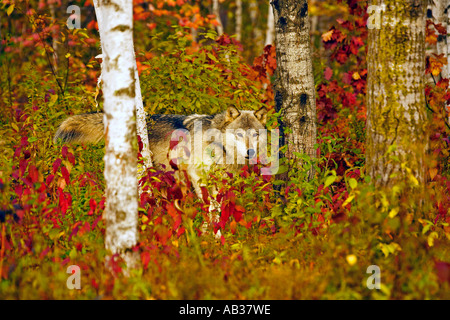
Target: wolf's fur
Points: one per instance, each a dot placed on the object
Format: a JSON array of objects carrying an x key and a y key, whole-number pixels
[{"x": 89, "y": 128}]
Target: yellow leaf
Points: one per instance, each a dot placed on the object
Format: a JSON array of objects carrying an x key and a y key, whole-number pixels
[
  {"x": 327, "y": 35},
  {"x": 67, "y": 55},
  {"x": 351, "y": 259},
  {"x": 356, "y": 76},
  {"x": 413, "y": 180},
  {"x": 10, "y": 10},
  {"x": 393, "y": 213},
  {"x": 433, "y": 173},
  {"x": 15, "y": 127},
  {"x": 348, "y": 200},
  {"x": 433, "y": 235},
  {"x": 53, "y": 99}
]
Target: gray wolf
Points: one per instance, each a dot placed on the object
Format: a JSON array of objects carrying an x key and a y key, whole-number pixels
[{"x": 194, "y": 142}]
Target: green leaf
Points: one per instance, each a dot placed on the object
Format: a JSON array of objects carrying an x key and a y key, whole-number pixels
[
  {"x": 353, "y": 183},
  {"x": 282, "y": 169},
  {"x": 53, "y": 99},
  {"x": 329, "y": 180},
  {"x": 211, "y": 56}
]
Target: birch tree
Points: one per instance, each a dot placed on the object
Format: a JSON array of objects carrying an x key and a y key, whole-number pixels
[
  {"x": 294, "y": 84},
  {"x": 119, "y": 74},
  {"x": 257, "y": 33},
  {"x": 396, "y": 115},
  {"x": 439, "y": 9},
  {"x": 216, "y": 12},
  {"x": 238, "y": 20},
  {"x": 270, "y": 31}
]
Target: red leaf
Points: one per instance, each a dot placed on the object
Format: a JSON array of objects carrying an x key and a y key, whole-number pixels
[
  {"x": 64, "y": 151},
  {"x": 56, "y": 165},
  {"x": 33, "y": 174},
  {"x": 328, "y": 73},
  {"x": 93, "y": 206},
  {"x": 443, "y": 271},
  {"x": 65, "y": 174},
  {"x": 49, "y": 179},
  {"x": 71, "y": 158},
  {"x": 145, "y": 258}
]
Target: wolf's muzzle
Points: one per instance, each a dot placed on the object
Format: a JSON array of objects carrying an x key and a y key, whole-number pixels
[{"x": 250, "y": 154}]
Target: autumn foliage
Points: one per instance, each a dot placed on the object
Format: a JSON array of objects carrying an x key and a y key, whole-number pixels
[{"x": 313, "y": 239}]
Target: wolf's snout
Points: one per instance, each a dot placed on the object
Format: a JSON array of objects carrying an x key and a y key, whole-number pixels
[{"x": 250, "y": 153}]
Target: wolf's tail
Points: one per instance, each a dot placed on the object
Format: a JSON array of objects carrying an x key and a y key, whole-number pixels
[{"x": 82, "y": 128}]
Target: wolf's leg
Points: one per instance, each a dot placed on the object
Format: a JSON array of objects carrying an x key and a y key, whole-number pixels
[
  {"x": 197, "y": 183},
  {"x": 214, "y": 206}
]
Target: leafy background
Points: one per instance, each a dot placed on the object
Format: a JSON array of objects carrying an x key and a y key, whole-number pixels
[{"x": 313, "y": 240}]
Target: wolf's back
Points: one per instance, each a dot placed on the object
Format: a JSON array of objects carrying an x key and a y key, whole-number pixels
[{"x": 82, "y": 128}]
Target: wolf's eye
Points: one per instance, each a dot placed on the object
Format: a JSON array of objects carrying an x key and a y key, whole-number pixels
[{"x": 240, "y": 135}]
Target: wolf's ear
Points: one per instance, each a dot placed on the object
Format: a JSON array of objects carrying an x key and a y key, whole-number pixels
[
  {"x": 261, "y": 115},
  {"x": 231, "y": 114}
]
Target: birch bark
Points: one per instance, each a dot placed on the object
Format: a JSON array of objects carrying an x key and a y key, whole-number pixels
[
  {"x": 115, "y": 20},
  {"x": 294, "y": 86},
  {"x": 239, "y": 20},
  {"x": 396, "y": 115},
  {"x": 270, "y": 31},
  {"x": 216, "y": 12},
  {"x": 439, "y": 9}
]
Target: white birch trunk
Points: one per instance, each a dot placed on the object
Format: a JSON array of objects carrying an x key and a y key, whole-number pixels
[
  {"x": 216, "y": 12},
  {"x": 294, "y": 86},
  {"x": 141, "y": 115},
  {"x": 440, "y": 16},
  {"x": 238, "y": 20},
  {"x": 270, "y": 32},
  {"x": 194, "y": 32},
  {"x": 141, "y": 121},
  {"x": 115, "y": 20}
]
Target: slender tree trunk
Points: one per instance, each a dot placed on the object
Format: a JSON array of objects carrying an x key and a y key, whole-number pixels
[
  {"x": 257, "y": 34},
  {"x": 396, "y": 116},
  {"x": 270, "y": 32},
  {"x": 216, "y": 12},
  {"x": 194, "y": 32},
  {"x": 439, "y": 10},
  {"x": 447, "y": 11},
  {"x": 115, "y": 20},
  {"x": 238, "y": 20},
  {"x": 294, "y": 86},
  {"x": 141, "y": 121}
]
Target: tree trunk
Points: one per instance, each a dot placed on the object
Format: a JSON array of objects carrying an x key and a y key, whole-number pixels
[
  {"x": 257, "y": 34},
  {"x": 141, "y": 121},
  {"x": 270, "y": 32},
  {"x": 294, "y": 86},
  {"x": 396, "y": 115},
  {"x": 440, "y": 16},
  {"x": 216, "y": 12},
  {"x": 115, "y": 20},
  {"x": 239, "y": 20}
]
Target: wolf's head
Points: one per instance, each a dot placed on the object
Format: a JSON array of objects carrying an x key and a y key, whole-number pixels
[{"x": 242, "y": 129}]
